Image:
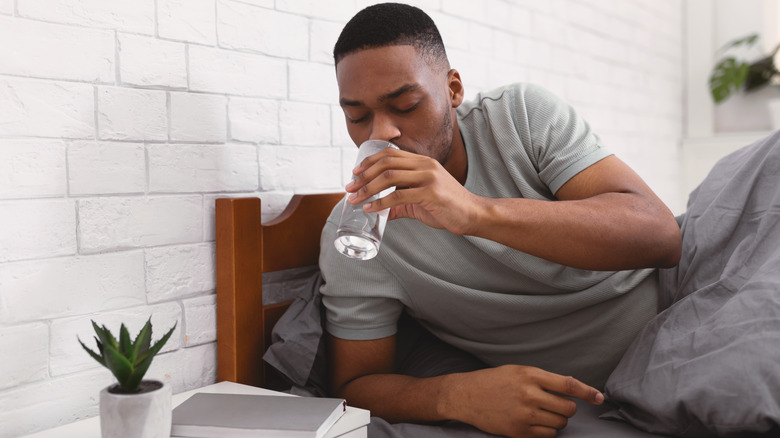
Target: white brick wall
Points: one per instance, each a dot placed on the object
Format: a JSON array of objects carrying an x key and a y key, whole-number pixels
[{"x": 122, "y": 121}]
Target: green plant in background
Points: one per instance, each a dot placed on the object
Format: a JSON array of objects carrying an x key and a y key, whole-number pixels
[
  {"x": 127, "y": 360},
  {"x": 730, "y": 73}
]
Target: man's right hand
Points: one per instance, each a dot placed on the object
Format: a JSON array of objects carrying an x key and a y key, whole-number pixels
[{"x": 514, "y": 400}]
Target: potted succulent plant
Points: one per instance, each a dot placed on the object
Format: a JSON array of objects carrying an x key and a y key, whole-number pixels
[{"x": 133, "y": 407}]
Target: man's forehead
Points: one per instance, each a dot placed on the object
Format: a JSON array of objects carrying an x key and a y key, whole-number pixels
[{"x": 380, "y": 73}]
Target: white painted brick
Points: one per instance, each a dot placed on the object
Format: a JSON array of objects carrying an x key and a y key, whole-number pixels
[
  {"x": 7, "y": 7},
  {"x": 451, "y": 30},
  {"x": 68, "y": 286},
  {"x": 116, "y": 223},
  {"x": 147, "y": 61},
  {"x": 310, "y": 82},
  {"x": 268, "y": 4},
  {"x": 520, "y": 19},
  {"x": 273, "y": 203},
  {"x": 98, "y": 167},
  {"x": 504, "y": 46},
  {"x": 480, "y": 39},
  {"x": 186, "y": 368},
  {"x": 32, "y": 168},
  {"x": 245, "y": 27},
  {"x": 334, "y": 11},
  {"x": 339, "y": 127},
  {"x": 426, "y": 5},
  {"x": 67, "y": 355},
  {"x": 242, "y": 74},
  {"x": 36, "y": 229},
  {"x": 136, "y": 16},
  {"x": 29, "y": 48},
  {"x": 46, "y": 109},
  {"x": 200, "y": 315},
  {"x": 533, "y": 53},
  {"x": 202, "y": 168},
  {"x": 187, "y": 20},
  {"x": 50, "y": 403},
  {"x": 473, "y": 69},
  {"x": 28, "y": 358},
  {"x": 177, "y": 271},
  {"x": 348, "y": 159},
  {"x": 468, "y": 9},
  {"x": 131, "y": 114},
  {"x": 297, "y": 168},
  {"x": 322, "y": 38},
  {"x": 550, "y": 29},
  {"x": 198, "y": 117},
  {"x": 504, "y": 73},
  {"x": 305, "y": 124},
  {"x": 254, "y": 120}
]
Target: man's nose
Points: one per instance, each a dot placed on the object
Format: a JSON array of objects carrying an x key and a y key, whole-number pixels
[{"x": 383, "y": 128}]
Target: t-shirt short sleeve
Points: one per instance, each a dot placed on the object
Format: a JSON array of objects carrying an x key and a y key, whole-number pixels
[
  {"x": 361, "y": 298},
  {"x": 557, "y": 138}
]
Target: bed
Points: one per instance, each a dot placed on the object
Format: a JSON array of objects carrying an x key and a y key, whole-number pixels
[{"x": 713, "y": 370}]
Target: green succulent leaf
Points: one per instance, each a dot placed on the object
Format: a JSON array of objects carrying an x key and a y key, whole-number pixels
[
  {"x": 156, "y": 348},
  {"x": 125, "y": 346},
  {"x": 728, "y": 76},
  {"x": 106, "y": 338},
  {"x": 143, "y": 340},
  {"x": 120, "y": 367},
  {"x": 97, "y": 357}
]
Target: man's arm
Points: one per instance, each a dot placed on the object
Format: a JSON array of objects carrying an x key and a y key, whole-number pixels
[
  {"x": 511, "y": 400},
  {"x": 605, "y": 218}
]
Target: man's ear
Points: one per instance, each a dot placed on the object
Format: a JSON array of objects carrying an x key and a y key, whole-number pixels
[{"x": 455, "y": 87}]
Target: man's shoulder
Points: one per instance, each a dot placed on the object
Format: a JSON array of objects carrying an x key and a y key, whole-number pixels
[{"x": 518, "y": 95}]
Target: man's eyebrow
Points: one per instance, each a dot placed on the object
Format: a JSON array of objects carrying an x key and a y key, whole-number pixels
[
  {"x": 401, "y": 90},
  {"x": 391, "y": 95}
]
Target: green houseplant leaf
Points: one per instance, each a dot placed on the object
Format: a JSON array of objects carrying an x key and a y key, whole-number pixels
[
  {"x": 128, "y": 360},
  {"x": 731, "y": 74},
  {"x": 728, "y": 76}
]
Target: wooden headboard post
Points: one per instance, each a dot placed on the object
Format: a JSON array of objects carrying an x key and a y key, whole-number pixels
[{"x": 245, "y": 249}]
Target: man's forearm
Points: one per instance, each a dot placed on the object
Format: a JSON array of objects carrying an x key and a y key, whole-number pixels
[
  {"x": 611, "y": 231},
  {"x": 397, "y": 398}
]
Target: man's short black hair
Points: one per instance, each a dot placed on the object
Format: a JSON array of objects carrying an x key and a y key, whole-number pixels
[{"x": 391, "y": 24}]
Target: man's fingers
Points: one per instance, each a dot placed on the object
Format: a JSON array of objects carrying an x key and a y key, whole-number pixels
[
  {"x": 541, "y": 417},
  {"x": 562, "y": 406},
  {"x": 572, "y": 387},
  {"x": 542, "y": 432}
]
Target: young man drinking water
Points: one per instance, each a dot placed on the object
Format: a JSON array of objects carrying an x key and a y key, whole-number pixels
[{"x": 514, "y": 236}]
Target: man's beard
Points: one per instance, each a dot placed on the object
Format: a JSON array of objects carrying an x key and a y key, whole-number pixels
[{"x": 443, "y": 139}]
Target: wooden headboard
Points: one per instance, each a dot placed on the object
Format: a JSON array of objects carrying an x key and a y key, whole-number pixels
[{"x": 246, "y": 249}]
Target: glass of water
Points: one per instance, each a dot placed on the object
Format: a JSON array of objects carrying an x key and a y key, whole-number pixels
[{"x": 359, "y": 233}]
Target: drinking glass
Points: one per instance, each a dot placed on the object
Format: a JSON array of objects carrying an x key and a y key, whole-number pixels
[{"x": 359, "y": 233}]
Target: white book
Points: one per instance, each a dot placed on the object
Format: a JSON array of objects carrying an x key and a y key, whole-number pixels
[{"x": 207, "y": 415}]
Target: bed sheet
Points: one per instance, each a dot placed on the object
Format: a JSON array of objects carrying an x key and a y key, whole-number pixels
[{"x": 298, "y": 351}]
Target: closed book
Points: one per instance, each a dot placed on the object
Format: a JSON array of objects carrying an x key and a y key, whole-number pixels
[{"x": 206, "y": 415}]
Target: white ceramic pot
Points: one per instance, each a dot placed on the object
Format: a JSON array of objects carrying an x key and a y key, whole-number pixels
[{"x": 146, "y": 414}]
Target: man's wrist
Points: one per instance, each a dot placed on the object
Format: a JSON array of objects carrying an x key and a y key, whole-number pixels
[{"x": 449, "y": 399}]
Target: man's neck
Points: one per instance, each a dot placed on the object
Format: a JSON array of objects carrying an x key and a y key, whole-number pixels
[{"x": 457, "y": 162}]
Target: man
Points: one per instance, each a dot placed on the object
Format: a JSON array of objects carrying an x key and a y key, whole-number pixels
[{"x": 514, "y": 236}]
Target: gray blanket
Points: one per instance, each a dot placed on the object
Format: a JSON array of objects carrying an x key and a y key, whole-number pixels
[{"x": 708, "y": 365}]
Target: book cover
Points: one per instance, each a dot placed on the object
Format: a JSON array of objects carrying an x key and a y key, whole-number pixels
[{"x": 206, "y": 415}]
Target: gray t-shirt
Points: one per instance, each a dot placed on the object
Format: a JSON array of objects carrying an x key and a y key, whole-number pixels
[{"x": 502, "y": 305}]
